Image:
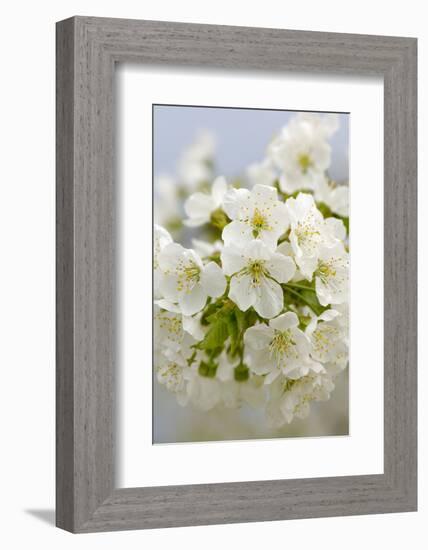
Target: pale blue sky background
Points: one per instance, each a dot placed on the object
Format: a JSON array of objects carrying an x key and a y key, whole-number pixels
[{"x": 241, "y": 135}]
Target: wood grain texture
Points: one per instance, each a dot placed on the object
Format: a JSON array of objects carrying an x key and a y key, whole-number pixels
[{"x": 87, "y": 50}]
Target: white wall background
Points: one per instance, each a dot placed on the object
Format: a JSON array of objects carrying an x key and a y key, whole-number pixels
[{"x": 27, "y": 272}]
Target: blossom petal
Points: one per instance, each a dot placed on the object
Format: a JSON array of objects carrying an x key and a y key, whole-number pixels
[
  {"x": 168, "y": 306},
  {"x": 232, "y": 260},
  {"x": 273, "y": 375},
  {"x": 336, "y": 228},
  {"x": 237, "y": 233},
  {"x": 285, "y": 321},
  {"x": 299, "y": 207},
  {"x": 257, "y": 250},
  {"x": 270, "y": 299},
  {"x": 195, "y": 222},
  {"x": 168, "y": 288},
  {"x": 279, "y": 218},
  {"x": 213, "y": 280},
  {"x": 258, "y": 337},
  {"x": 265, "y": 194},
  {"x": 193, "y": 327},
  {"x": 218, "y": 190},
  {"x": 199, "y": 205},
  {"x": 281, "y": 268},
  {"x": 285, "y": 248},
  {"x": 192, "y": 302},
  {"x": 161, "y": 238},
  {"x": 242, "y": 292},
  {"x": 234, "y": 200},
  {"x": 169, "y": 256},
  {"x": 260, "y": 362}
]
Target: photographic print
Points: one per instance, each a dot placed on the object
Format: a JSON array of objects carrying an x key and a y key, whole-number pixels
[{"x": 250, "y": 273}]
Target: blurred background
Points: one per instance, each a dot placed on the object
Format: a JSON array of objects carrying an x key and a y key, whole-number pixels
[
  {"x": 231, "y": 139},
  {"x": 241, "y": 137}
]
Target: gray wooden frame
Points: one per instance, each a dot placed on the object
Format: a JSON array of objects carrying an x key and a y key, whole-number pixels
[{"x": 87, "y": 50}]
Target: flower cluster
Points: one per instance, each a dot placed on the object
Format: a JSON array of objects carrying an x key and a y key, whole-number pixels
[{"x": 256, "y": 313}]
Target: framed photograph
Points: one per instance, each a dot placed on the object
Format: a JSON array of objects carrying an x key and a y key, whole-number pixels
[{"x": 236, "y": 274}]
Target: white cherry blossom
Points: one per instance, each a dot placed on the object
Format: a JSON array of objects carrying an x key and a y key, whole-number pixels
[
  {"x": 186, "y": 280},
  {"x": 174, "y": 377},
  {"x": 302, "y": 151},
  {"x": 256, "y": 214},
  {"x": 309, "y": 232},
  {"x": 175, "y": 334},
  {"x": 292, "y": 398},
  {"x": 335, "y": 196},
  {"x": 279, "y": 348},
  {"x": 331, "y": 275},
  {"x": 161, "y": 238},
  {"x": 167, "y": 209},
  {"x": 199, "y": 206},
  {"x": 329, "y": 339},
  {"x": 205, "y": 249},
  {"x": 239, "y": 390},
  {"x": 196, "y": 163},
  {"x": 232, "y": 333},
  {"x": 256, "y": 275},
  {"x": 203, "y": 392},
  {"x": 261, "y": 173}
]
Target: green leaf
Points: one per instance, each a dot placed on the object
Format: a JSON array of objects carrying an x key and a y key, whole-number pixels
[
  {"x": 311, "y": 299},
  {"x": 232, "y": 328},
  {"x": 215, "y": 337}
]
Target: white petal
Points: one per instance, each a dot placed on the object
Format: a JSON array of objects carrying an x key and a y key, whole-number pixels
[
  {"x": 257, "y": 250},
  {"x": 285, "y": 321},
  {"x": 219, "y": 189},
  {"x": 224, "y": 372},
  {"x": 232, "y": 260},
  {"x": 237, "y": 233},
  {"x": 260, "y": 362},
  {"x": 340, "y": 201},
  {"x": 192, "y": 302},
  {"x": 242, "y": 292},
  {"x": 169, "y": 256},
  {"x": 233, "y": 201},
  {"x": 168, "y": 287},
  {"x": 299, "y": 207},
  {"x": 330, "y": 123},
  {"x": 336, "y": 228},
  {"x": 270, "y": 299},
  {"x": 193, "y": 327},
  {"x": 336, "y": 251},
  {"x": 203, "y": 248},
  {"x": 161, "y": 237},
  {"x": 265, "y": 193},
  {"x": 195, "y": 222},
  {"x": 307, "y": 265},
  {"x": 323, "y": 293},
  {"x": 273, "y": 375},
  {"x": 258, "y": 337},
  {"x": 281, "y": 268},
  {"x": 329, "y": 315},
  {"x": 192, "y": 256},
  {"x": 279, "y": 218},
  {"x": 199, "y": 205},
  {"x": 285, "y": 248},
  {"x": 213, "y": 280},
  {"x": 168, "y": 306},
  {"x": 288, "y": 183},
  {"x": 270, "y": 238}
]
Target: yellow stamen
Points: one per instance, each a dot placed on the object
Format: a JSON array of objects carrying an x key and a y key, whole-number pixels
[{"x": 305, "y": 162}]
